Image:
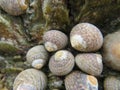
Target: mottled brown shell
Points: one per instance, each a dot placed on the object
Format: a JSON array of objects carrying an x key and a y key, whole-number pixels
[
  {"x": 37, "y": 56},
  {"x": 80, "y": 81},
  {"x": 61, "y": 63},
  {"x": 54, "y": 40},
  {"x": 111, "y": 50},
  {"x": 111, "y": 83},
  {"x": 90, "y": 63},
  {"x": 30, "y": 79},
  {"x": 86, "y": 37},
  {"x": 14, "y": 7}
]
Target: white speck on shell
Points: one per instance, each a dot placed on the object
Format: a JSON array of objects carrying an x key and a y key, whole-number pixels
[
  {"x": 38, "y": 63},
  {"x": 61, "y": 55},
  {"x": 50, "y": 46},
  {"x": 77, "y": 41},
  {"x": 99, "y": 60}
]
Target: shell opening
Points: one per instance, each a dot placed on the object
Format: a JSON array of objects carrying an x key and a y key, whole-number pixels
[
  {"x": 60, "y": 55},
  {"x": 38, "y": 63},
  {"x": 25, "y": 86},
  {"x": 92, "y": 80},
  {"x": 50, "y": 46},
  {"x": 78, "y": 42}
]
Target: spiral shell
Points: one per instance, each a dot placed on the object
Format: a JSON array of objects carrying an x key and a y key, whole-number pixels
[
  {"x": 37, "y": 56},
  {"x": 111, "y": 50},
  {"x": 80, "y": 81},
  {"x": 30, "y": 79},
  {"x": 111, "y": 83},
  {"x": 14, "y": 7},
  {"x": 90, "y": 63},
  {"x": 86, "y": 37},
  {"x": 61, "y": 63},
  {"x": 54, "y": 40}
]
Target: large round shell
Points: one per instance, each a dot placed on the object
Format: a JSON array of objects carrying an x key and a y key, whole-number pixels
[
  {"x": 30, "y": 79},
  {"x": 54, "y": 40},
  {"x": 61, "y": 63},
  {"x": 80, "y": 81},
  {"x": 86, "y": 37},
  {"x": 90, "y": 63},
  {"x": 111, "y": 50},
  {"x": 37, "y": 56},
  {"x": 14, "y": 7},
  {"x": 111, "y": 83}
]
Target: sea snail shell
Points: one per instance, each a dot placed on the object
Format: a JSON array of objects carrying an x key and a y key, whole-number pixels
[
  {"x": 61, "y": 63},
  {"x": 54, "y": 40},
  {"x": 14, "y": 7},
  {"x": 86, "y": 37},
  {"x": 90, "y": 63},
  {"x": 30, "y": 79},
  {"x": 111, "y": 50},
  {"x": 37, "y": 56},
  {"x": 111, "y": 83},
  {"x": 80, "y": 81}
]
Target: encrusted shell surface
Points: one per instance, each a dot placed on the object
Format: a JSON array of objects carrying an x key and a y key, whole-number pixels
[
  {"x": 61, "y": 63},
  {"x": 86, "y": 37},
  {"x": 80, "y": 81},
  {"x": 111, "y": 50},
  {"x": 37, "y": 56},
  {"x": 111, "y": 83},
  {"x": 30, "y": 79},
  {"x": 54, "y": 40},
  {"x": 14, "y": 7},
  {"x": 90, "y": 63}
]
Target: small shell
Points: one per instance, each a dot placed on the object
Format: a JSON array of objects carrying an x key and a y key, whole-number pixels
[
  {"x": 111, "y": 83},
  {"x": 30, "y": 79},
  {"x": 86, "y": 37},
  {"x": 61, "y": 63},
  {"x": 14, "y": 7},
  {"x": 54, "y": 40},
  {"x": 90, "y": 63},
  {"x": 37, "y": 56},
  {"x": 111, "y": 50},
  {"x": 80, "y": 81}
]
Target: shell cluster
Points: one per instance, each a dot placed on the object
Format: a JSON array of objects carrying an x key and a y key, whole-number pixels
[
  {"x": 62, "y": 61},
  {"x": 39, "y": 34}
]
